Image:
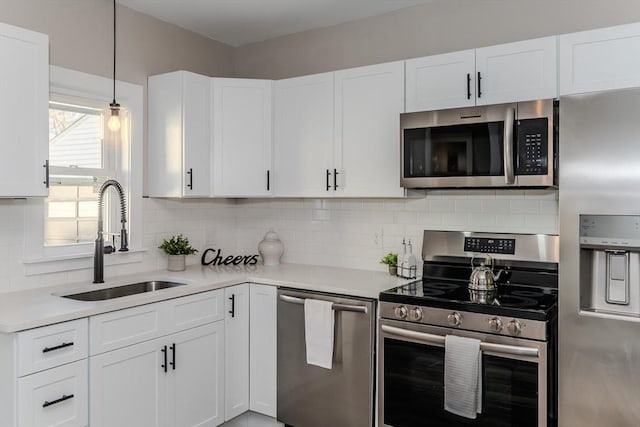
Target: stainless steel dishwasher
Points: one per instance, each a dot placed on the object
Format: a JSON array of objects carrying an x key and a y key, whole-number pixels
[{"x": 310, "y": 396}]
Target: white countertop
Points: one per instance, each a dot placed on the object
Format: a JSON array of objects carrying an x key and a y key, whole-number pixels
[{"x": 39, "y": 307}]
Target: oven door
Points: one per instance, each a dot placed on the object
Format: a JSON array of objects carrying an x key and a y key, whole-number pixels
[{"x": 411, "y": 383}]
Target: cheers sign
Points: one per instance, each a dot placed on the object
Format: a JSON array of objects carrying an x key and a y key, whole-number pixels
[{"x": 211, "y": 257}]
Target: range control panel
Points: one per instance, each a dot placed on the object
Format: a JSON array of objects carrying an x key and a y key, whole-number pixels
[{"x": 490, "y": 246}]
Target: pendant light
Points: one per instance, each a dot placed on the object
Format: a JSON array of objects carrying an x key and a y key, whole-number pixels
[{"x": 114, "y": 120}]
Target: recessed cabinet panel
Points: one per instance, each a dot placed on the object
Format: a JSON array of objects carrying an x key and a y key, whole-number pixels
[
  {"x": 303, "y": 144},
  {"x": 24, "y": 112},
  {"x": 263, "y": 349},
  {"x": 236, "y": 350},
  {"x": 441, "y": 81},
  {"x": 242, "y": 128},
  {"x": 513, "y": 72},
  {"x": 602, "y": 59},
  {"x": 179, "y": 132},
  {"x": 368, "y": 103}
]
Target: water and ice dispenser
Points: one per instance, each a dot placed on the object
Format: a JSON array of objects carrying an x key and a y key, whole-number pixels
[{"x": 610, "y": 264}]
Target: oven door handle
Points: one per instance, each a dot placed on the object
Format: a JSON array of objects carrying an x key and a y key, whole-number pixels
[{"x": 439, "y": 340}]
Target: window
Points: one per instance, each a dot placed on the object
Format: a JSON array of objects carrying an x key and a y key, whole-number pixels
[
  {"x": 83, "y": 153},
  {"x": 81, "y": 158}
]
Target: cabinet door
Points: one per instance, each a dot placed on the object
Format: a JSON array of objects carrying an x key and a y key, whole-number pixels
[
  {"x": 242, "y": 128},
  {"x": 127, "y": 386},
  {"x": 600, "y": 59},
  {"x": 303, "y": 143},
  {"x": 195, "y": 378},
  {"x": 441, "y": 81},
  {"x": 236, "y": 351},
  {"x": 368, "y": 103},
  {"x": 179, "y": 127},
  {"x": 24, "y": 112},
  {"x": 263, "y": 348},
  {"x": 55, "y": 397},
  {"x": 521, "y": 71},
  {"x": 197, "y": 135}
]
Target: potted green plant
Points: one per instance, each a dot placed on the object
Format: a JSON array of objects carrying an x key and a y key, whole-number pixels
[
  {"x": 177, "y": 247},
  {"x": 391, "y": 259}
]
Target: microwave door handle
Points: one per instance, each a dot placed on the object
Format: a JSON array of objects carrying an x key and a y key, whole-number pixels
[{"x": 509, "y": 121}]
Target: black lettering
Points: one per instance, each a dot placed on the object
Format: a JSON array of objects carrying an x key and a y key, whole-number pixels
[
  {"x": 218, "y": 259},
  {"x": 246, "y": 259},
  {"x": 228, "y": 260},
  {"x": 254, "y": 260},
  {"x": 237, "y": 260},
  {"x": 203, "y": 260}
]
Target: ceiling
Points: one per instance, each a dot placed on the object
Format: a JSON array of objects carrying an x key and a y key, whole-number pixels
[{"x": 238, "y": 22}]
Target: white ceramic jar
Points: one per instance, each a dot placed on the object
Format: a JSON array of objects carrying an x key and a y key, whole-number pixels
[{"x": 271, "y": 248}]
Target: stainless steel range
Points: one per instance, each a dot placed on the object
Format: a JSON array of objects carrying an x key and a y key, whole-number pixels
[{"x": 498, "y": 288}]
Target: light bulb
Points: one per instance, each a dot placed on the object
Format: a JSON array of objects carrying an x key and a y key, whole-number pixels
[{"x": 114, "y": 120}]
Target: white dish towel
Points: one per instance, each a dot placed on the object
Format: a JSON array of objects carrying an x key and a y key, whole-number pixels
[
  {"x": 318, "y": 332},
  {"x": 462, "y": 376}
]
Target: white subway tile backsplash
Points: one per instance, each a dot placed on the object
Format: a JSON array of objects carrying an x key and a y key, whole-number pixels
[{"x": 336, "y": 232}]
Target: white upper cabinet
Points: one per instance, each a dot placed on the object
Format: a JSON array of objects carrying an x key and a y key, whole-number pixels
[
  {"x": 511, "y": 72},
  {"x": 520, "y": 71},
  {"x": 441, "y": 81},
  {"x": 24, "y": 112},
  {"x": 242, "y": 137},
  {"x": 303, "y": 142},
  {"x": 337, "y": 134},
  {"x": 179, "y": 133},
  {"x": 368, "y": 103},
  {"x": 602, "y": 59}
]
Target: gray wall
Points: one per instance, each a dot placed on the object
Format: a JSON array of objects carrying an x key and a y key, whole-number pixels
[
  {"x": 442, "y": 26},
  {"x": 81, "y": 36}
]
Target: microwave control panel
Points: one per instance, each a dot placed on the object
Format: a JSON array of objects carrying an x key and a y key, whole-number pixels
[{"x": 533, "y": 147}]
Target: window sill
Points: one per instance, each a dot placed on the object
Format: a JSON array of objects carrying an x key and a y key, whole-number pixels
[{"x": 56, "y": 264}]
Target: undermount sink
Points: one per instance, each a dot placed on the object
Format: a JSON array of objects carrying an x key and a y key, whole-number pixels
[{"x": 122, "y": 291}]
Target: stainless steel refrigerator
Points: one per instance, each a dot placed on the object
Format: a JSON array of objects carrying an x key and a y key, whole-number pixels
[{"x": 599, "y": 289}]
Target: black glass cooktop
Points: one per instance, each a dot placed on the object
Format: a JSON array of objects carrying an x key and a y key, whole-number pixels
[{"x": 529, "y": 302}]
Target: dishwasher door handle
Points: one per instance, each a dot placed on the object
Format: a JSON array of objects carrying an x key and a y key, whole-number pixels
[{"x": 335, "y": 306}]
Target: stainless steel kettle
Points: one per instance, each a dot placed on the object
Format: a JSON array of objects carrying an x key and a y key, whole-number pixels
[{"x": 482, "y": 276}]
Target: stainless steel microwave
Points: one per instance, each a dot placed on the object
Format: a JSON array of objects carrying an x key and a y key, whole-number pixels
[{"x": 506, "y": 145}]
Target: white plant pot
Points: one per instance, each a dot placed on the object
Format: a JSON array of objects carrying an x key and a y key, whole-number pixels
[{"x": 176, "y": 263}]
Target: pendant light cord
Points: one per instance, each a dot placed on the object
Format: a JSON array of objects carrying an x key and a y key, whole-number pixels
[{"x": 114, "y": 51}]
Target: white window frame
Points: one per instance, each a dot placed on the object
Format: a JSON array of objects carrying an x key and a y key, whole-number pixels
[{"x": 39, "y": 258}]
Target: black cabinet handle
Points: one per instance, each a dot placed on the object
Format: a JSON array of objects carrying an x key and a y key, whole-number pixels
[
  {"x": 335, "y": 180},
  {"x": 479, "y": 85},
  {"x": 190, "y": 184},
  {"x": 173, "y": 356},
  {"x": 164, "y": 353},
  {"x": 268, "y": 180},
  {"x": 468, "y": 86},
  {"x": 328, "y": 175},
  {"x": 57, "y": 347},
  {"x": 232, "y": 312},
  {"x": 53, "y": 402},
  {"x": 46, "y": 172}
]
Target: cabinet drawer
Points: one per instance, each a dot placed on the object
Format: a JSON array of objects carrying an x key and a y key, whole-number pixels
[
  {"x": 56, "y": 397},
  {"x": 195, "y": 310},
  {"x": 49, "y": 346},
  {"x": 120, "y": 328}
]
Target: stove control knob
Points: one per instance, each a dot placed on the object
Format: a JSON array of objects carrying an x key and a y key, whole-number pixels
[
  {"x": 495, "y": 324},
  {"x": 401, "y": 312},
  {"x": 416, "y": 314},
  {"x": 454, "y": 319},
  {"x": 514, "y": 327}
]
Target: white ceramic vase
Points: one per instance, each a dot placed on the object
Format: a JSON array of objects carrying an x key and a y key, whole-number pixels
[
  {"x": 176, "y": 263},
  {"x": 271, "y": 249}
]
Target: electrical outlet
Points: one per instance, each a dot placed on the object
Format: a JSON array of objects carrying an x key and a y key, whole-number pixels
[{"x": 377, "y": 239}]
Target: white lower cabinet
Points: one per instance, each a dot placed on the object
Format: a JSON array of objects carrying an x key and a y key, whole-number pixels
[
  {"x": 173, "y": 381},
  {"x": 236, "y": 350},
  {"x": 55, "y": 397},
  {"x": 262, "y": 342}
]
